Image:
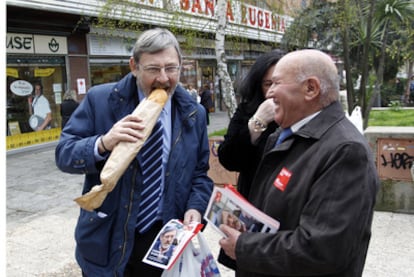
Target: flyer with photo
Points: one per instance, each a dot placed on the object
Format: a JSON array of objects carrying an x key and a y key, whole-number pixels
[
  {"x": 228, "y": 206},
  {"x": 170, "y": 243}
]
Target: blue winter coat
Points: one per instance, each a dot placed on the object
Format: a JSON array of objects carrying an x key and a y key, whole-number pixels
[{"x": 105, "y": 237}]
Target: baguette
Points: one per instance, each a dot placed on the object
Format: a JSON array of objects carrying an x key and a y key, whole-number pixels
[{"x": 124, "y": 152}]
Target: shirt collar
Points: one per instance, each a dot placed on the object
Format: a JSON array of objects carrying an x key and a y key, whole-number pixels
[{"x": 295, "y": 127}]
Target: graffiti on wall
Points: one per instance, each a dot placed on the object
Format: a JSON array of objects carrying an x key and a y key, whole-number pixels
[
  {"x": 395, "y": 158},
  {"x": 217, "y": 172}
]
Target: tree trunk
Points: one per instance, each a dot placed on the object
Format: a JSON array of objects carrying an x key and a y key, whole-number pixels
[
  {"x": 380, "y": 71},
  {"x": 347, "y": 63},
  {"x": 364, "y": 72},
  {"x": 227, "y": 85}
]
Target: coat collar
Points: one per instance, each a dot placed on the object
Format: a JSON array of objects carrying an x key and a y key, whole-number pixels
[
  {"x": 123, "y": 98},
  {"x": 328, "y": 117},
  {"x": 315, "y": 128}
]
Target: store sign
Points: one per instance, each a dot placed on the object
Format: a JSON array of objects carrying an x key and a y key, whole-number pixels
[
  {"x": 237, "y": 12},
  {"x": 44, "y": 72},
  {"x": 36, "y": 44},
  {"x": 12, "y": 72},
  {"x": 21, "y": 88},
  {"x": 107, "y": 46}
]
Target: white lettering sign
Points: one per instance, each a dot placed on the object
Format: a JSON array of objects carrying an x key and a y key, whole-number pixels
[
  {"x": 237, "y": 12},
  {"x": 19, "y": 43},
  {"x": 21, "y": 88},
  {"x": 36, "y": 44}
]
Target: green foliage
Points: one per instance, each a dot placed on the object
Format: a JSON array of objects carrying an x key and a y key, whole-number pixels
[
  {"x": 391, "y": 117},
  {"x": 395, "y": 105},
  {"x": 318, "y": 19},
  {"x": 404, "y": 46},
  {"x": 218, "y": 133},
  {"x": 342, "y": 30},
  {"x": 391, "y": 92},
  {"x": 112, "y": 17}
]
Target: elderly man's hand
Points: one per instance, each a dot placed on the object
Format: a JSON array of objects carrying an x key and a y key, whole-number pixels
[{"x": 229, "y": 244}]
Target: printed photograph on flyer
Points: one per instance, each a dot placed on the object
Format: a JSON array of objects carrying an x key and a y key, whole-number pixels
[
  {"x": 225, "y": 207},
  {"x": 170, "y": 242}
]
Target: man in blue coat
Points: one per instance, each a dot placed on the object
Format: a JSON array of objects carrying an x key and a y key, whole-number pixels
[{"x": 108, "y": 240}]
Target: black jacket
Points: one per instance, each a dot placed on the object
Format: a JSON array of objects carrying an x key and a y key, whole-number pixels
[
  {"x": 66, "y": 109},
  {"x": 321, "y": 185},
  {"x": 237, "y": 153}
]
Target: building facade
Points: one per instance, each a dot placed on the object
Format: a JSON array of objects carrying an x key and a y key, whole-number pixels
[{"x": 59, "y": 45}]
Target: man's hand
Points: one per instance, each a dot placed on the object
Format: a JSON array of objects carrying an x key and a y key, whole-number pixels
[
  {"x": 192, "y": 215},
  {"x": 128, "y": 129},
  {"x": 229, "y": 244}
]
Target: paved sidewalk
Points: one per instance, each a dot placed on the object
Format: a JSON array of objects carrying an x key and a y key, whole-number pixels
[{"x": 41, "y": 216}]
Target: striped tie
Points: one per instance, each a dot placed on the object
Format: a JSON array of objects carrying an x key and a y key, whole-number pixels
[{"x": 151, "y": 176}]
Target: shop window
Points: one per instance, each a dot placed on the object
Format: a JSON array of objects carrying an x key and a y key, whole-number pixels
[
  {"x": 19, "y": 81},
  {"x": 104, "y": 73},
  {"x": 189, "y": 73}
]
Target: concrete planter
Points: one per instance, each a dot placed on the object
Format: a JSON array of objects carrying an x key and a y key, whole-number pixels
[{"x": 393, "y": 149}]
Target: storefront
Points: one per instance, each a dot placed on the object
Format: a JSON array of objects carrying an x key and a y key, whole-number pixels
[
  {"x": 61, "y": 49},
  {"x": 109, "y": 60},
  {"x": 108, "y": 57},
  {"x": 33, "y": 59}
]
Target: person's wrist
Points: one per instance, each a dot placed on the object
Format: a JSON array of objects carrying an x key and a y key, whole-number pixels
[
  {"x": 101, "y": 142},
  {"x": 257, "y": 124}
]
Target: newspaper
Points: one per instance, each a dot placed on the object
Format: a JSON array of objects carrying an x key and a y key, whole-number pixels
[
  {"x": 228, "y": 206},
  {"x": 170, "y": 243}
]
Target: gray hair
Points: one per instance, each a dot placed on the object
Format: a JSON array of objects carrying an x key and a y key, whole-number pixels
[
  {"x": 70, "y": 94},
  {"x": 153, "y": 41},
  {"x": 321, "y": 66}
]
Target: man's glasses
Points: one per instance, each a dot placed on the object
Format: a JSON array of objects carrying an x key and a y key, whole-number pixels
[{"x": 169, "y": 70}]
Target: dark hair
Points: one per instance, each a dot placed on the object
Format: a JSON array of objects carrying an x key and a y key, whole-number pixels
[
  {"x": 40, "y": 85},
  {"x": 250, "y": 88}
]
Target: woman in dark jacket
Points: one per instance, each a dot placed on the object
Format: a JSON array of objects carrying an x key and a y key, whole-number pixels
[
  {"x": 242, "y": 148},
  {"x": 68, "y": 106},
  {"x": 249, "y": 128}
]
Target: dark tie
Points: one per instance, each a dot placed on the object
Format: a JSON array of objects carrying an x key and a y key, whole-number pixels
[
  {"x": 151, "y": 175},
  {"x": 285, "y": 134}
]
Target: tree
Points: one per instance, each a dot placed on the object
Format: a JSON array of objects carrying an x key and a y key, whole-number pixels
[
  {"x": 405, "y": 49},
  {"x": 387, "y": 12},
  {"x": 227, "y": 85},
  {"x": 345, "y": 12},
  {"x": 365, "y": 67},
  {"x": 361, "y": 38},
  {"x": 333, "y": 24}
]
